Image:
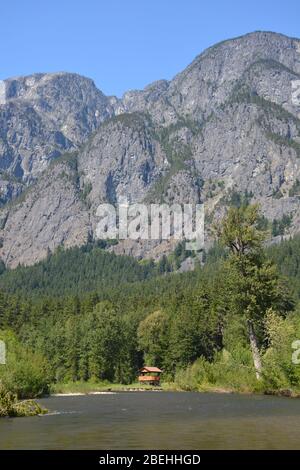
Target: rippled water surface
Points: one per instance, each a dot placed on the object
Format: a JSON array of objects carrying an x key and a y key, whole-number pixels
[{"x": 158, "y": 420}]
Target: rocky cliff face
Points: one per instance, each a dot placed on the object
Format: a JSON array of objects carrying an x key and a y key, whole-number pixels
[
  {"x": 226, "y": 128},
  {"x": 44, "y": 115}
]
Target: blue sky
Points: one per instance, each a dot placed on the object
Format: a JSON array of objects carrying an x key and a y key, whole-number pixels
[{"x": 127, "y": 44}]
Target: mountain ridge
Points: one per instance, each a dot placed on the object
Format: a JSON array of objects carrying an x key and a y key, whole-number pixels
[{"x": 225, "y": 125}]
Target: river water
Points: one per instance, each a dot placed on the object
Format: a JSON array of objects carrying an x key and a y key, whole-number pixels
[{"x": 158, "y": 420}]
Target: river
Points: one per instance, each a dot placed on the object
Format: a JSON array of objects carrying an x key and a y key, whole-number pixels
[{"x": 158, "y": 420}]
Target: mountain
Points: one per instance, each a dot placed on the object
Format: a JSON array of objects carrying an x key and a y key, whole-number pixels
[
  {"x": 45, "y": 115},
  {"x": 224, "y": 130}
]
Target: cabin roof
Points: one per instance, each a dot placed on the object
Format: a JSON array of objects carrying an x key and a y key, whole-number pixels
[{"x": 150, "y": 369}]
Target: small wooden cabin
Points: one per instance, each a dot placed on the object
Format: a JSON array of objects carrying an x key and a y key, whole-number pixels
[{"x": 150, "y": 375}]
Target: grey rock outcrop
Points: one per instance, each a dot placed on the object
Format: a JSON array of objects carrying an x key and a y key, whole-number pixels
[
  {"x": 47, "y": 215},
  {"x": 44, "y": 115}
]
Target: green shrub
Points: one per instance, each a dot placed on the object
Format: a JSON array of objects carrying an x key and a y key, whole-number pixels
[
  {"x": 9, "y": 406},
  {"x": 225, "y": 372},
  {"x": 7, "y": 401},
  {"x": 25, "y": 374},
  {"x": 279, "y": 372}
]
